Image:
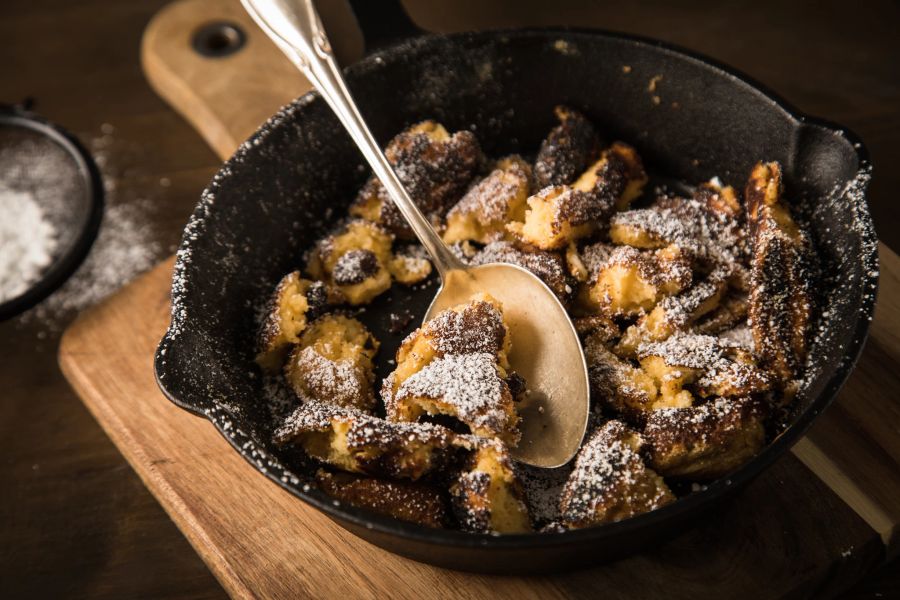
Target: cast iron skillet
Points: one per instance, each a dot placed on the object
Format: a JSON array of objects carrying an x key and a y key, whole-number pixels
[{"x": 298, "y": 173}]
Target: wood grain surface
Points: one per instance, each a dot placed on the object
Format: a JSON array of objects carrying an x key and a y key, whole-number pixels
[
  {"x": 260, "y": 541},
  {"x": 77, "y": 521},
  {"x": 227, "y": 98}
]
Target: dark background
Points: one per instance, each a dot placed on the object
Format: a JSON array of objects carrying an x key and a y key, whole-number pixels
[{"x": 75, "y": 520}]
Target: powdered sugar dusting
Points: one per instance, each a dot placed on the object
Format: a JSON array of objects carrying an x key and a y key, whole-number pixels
[{"x": 468, "y": 382}]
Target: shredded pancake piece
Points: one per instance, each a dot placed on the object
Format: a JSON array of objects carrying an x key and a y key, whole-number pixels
[
  {"x": 490, "y": 204},
  {"x": 557, "y": 216},
  {"x": 616, "y": 384},
  {"x": 354, "y": 261},
  {"x": 616, "y": 179},
  {"x": 585, "y": 264},
  {"x": 704, "y": 442},
  {"x": 414, "y": 502},
  {"x": 487, "y": 496},
  {"x": 549, "y": 267},
  {"x": 709, "y": 234},
  {"x": 435, "y": 169},
  {"x": 676, "y": 313},
  {"x": 294, "y": 301},
  {"x": 333, "y": 362},
  {"x": 354, "y": 441},
  {"x": 456, "y": 365},
  {"x": 468, "y": 387},
  {"x": 567, "y": 150},
  {"x": 610, "y": 481},
  {"x": 633, "y": 281},
  {"x": 410, "y": 265},
  {"x": 471, "y": 328},
  {"x": 714, "y": 366},
  {"x": 780, "y": 303}
]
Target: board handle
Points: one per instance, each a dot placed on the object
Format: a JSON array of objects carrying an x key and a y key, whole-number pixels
[{"x": 209, "y": 61}]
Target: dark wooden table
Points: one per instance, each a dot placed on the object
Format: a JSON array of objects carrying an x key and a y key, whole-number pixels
[{"x": 75, "y": 520}]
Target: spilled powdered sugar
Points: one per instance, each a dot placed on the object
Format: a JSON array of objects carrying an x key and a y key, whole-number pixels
[
  {"x": 126, "y": 244},
  {"x": 836, "y": 300}
]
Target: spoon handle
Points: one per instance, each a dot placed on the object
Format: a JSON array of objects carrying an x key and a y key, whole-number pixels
[{"x": 296, "y": 29}]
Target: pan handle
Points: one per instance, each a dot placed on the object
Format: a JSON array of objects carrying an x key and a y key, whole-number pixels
[{"x": 384, "y": 23}]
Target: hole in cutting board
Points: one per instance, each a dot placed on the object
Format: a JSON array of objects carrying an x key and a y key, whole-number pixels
[{"x": 218, "y": 39}]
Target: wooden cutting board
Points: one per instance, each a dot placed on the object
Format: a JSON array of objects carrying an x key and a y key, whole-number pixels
[{"x": 813, "y": 524}]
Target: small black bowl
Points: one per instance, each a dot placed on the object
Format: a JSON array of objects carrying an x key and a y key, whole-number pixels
[
  {"x": 295, "y": 177},
  {"x": 48, "y": 161}
]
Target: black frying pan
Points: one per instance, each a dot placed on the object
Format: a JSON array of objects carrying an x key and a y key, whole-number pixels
[{"x": 297, "y": 174}]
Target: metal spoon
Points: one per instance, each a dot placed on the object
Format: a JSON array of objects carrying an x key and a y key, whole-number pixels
[{"x": 546, "y": 350}]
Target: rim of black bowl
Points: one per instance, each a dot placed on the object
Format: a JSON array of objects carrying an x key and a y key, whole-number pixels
[
  {"x": 245, "y": 445},
  {"x": 65, "y": 264}
]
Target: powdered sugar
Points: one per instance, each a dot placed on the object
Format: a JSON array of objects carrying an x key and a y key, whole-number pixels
[
  {"x": 469, "y": 383},
  {"x": 27, "y": 239},
  {"x": 126, "y": 244},
  {"x": 690, "y": 225}
]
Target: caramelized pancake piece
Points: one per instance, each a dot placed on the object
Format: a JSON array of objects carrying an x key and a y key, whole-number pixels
[
  {"x": 354, "y": 261},
  {"x": 408, "y": 501},
  {"x": 435, "y": 169},
  {"x": 286, "y": 316},
  {"x": 409, "y": 266},
  {"x": 549, "y": 267},
  {"x": 670, "y": 381},
  {"x": 610, "y": 481},
  {"x": 354, "y": 441},
  {"x": 467, "y": 387},
  {"x": 632, "y": 281},
  {"x": 585, "y": 264},
  {"x": 704, "y": 442},
  {"x": 719, "y": 199},
  {"x": 707, "y": 365},
  {"x": 567, "y": 150},
  {"x": 676, "y": 313},
  {"x": 731, "y": 311},
  {"x": 456, "y": 365},
  {"x": 474, "y": 327},
  {"x": 780, "y": 281},
  {"x": 600, "y": 327},
  {"x": 616, "y": 384},
  {"x": 715, "y": 367},
  {"x": 714, "y": 236},
  {"x": 488, "y": 497},
  {"x": 333, "y": 363},
  {"x": 616, "y": 179},
  {"x": 557, "y": 216},
  {"x": 490, "y": 204}
]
